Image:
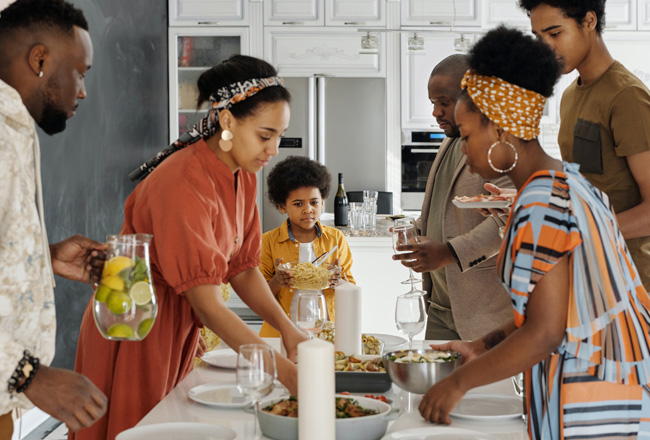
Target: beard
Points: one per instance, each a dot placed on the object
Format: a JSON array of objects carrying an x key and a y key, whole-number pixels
[{"x": 53, "y": 120}]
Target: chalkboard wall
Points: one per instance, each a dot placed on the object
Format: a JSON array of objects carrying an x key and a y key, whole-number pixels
[{"x": 122, "y": 122}]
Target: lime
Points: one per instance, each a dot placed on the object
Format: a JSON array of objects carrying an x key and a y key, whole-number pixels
[
  {"x": 113, "y": 281},
  {"x": 120, "y": 331},
  {"x": 102, "y": 293},
  {"x": 141, "y": 293},
  {"x": 118, "y": 302},
  {"x": 117, "y": 264},
  {"x": 144, "y": 327}
]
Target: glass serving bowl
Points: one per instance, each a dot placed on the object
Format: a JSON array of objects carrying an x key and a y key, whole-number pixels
[
  {"x": 124, "y": 303},
  {"x": 306, "y": 276}
]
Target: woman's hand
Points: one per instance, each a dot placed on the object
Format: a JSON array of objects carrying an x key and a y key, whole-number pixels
[
  {"x": 496, "y": 212},
  {"x": 291, "y": 337},
  {"x": 440, "y": 399},
  {"x": 282, "y": 277}
]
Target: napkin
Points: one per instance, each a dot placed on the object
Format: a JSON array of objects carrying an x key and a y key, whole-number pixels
[
  {"x": 347, "y": 306},
  {"x": 316, "y": 413}
]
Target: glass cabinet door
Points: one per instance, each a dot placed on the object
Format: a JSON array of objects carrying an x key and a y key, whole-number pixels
[{"x": 192, "y": 52}]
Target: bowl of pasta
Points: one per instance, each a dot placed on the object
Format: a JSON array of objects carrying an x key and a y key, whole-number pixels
[
  {"x": 418, "y": 370},
  {"x": 306, "y": 276}
]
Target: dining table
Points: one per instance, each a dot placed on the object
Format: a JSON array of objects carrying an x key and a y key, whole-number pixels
[{"x": 178, "y": 407}]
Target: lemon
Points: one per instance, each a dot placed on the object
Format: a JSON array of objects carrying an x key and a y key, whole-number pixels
[
  {"x": 113, "y": 282},
  {"x": 141, "y": 293},
  {"x": 145, "y": 327},
  {"x": 102, "y": 293},
  {"x": 120, "y": 331},
  {"x": 118, "y": 302},
  {"x": 116, "y": 264}
]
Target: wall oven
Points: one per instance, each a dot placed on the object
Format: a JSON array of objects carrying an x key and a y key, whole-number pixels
[{"x": 418, "y": 153}]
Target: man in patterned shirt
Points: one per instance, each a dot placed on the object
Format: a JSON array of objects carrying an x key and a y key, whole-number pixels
[{"x": 45, "y": 50}]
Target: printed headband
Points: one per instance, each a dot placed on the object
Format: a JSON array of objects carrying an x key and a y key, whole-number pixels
[
  {"x": 224, "y": 98},
  {"x": 515, "y": 109}
]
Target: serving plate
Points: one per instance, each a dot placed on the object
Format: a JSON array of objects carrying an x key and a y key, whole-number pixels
[
  {"x": 222, "y": 358},
  {"x": 226, "y": 395},
  {"x": 175, "y": 431},
  {"x": 438, "y": 433},
  {"x": 390, "y": 341},
  {"x": 488, "y": 407}
]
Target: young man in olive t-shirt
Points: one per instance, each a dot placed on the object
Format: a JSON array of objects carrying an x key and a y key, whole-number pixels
[{"x": 604, "y": 116}]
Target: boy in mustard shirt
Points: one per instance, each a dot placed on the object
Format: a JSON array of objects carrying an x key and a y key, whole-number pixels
[{"x": 298, "y": 187}]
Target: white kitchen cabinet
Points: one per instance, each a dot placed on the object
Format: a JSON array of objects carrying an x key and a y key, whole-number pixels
[
  {"x": 307, "y": 51},
  {"x": 643, "y": 15},
  {"x": 294, "y": 13},
  {"x": 416, "y": 68},
  {"x": 441, "y": 13},
  {"x": 620, "y": 15},
  {"x": 208, "y": 12},
  {"x": 193, "y": 50},
  {"x": 508, "y": 12},
  {"x": 379, "y": 277},
  {"x": 355, "y": 12}
]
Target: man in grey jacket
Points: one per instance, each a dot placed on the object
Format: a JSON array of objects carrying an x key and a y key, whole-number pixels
[{"x": 458, "y": 247}]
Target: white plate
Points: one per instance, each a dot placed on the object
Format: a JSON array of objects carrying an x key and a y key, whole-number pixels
[
  {"x": 388, "y": 340},
  {"x": 175, "y": 431},
  {"x": 438, "y": 433},
  {"x": 226, "y": 395},
  {"x": 485, "y": 205},
  {"x": 488, "y": 407},
  {"x": 223, "y": 358}
]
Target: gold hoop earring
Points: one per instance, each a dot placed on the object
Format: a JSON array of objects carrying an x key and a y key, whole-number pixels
[
  {"x": 489, "y": 157},
  {"x": 226, "y": 140}
]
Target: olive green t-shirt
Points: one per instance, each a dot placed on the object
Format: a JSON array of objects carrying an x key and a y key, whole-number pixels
[
  {"x": 602, "y": 123},
  {"x": 441, "y": 185}
]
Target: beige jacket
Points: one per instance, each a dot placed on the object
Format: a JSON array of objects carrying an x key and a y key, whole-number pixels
[{"x": 479, "y": 302}]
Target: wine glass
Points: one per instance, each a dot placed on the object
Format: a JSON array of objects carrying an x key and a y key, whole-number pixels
[
  {"x": 256, "y": 374},
  {"x": 311, "y": 313},
  {"x": 405, "y": 232},
  {"x": 410, "y": 314}
]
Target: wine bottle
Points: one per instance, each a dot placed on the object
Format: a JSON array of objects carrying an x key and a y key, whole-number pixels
[{"x": 341, "y": 205}]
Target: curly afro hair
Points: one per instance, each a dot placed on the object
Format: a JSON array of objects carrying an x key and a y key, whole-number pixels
[
  {"x": 57, "y": 15},
  {"x": 296, "y": 172},
  {"x": 517, "y": 58},
  {"x": 575, "y": 9}
]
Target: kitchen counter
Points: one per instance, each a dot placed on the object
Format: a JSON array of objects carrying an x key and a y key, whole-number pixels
[{"x": 177, "y": 407}]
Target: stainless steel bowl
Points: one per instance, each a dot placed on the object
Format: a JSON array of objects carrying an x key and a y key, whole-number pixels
[{"x": 418, "y": 377}]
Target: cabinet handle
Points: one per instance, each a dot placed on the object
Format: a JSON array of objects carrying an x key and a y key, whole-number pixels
[
  {"x": 293, "y": 22},
  {"x": 440, "y": 23},
  {"x": 208, "y": 22},
  {"x": 354, "y": 23}
]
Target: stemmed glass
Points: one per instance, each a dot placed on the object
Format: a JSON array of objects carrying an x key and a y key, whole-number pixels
[
  {"x": 256, "y": 374},
  {"x": 312, "y": 312},
  {"x": 405, "y": 232},
  {"x": 410, "y": 314}
]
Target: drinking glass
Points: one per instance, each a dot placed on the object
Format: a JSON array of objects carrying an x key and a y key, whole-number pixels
[
  {"x": 312, "y": 312},
  {"x": 370, "y": 209},
  {"x": 256, "y": 374},
  {"x": 405, "y": 232},
  {"x": 410, "y": 315},
  {"x": 356, "y": 215}
]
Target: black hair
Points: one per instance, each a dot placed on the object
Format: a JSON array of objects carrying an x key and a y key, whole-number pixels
[
  {"x": 296, "y": 172},
  {"x": 241, "y": 68},
  {"x": 516, "y": 58},
  {"x": 454, "y": 66},
  {"x": 57, "y": 15},
  {"x": 575, "y": 9}
]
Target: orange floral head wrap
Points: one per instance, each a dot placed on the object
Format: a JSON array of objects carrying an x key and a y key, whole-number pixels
[{"x": 515, "y": 109}]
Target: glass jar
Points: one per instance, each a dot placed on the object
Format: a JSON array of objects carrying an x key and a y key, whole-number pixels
[{"x": 124, "y": 303}]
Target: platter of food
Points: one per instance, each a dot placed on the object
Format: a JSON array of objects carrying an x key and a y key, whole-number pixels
[
  {"x": 360, "y": 374},
  {"x": 485, "y": 201}
]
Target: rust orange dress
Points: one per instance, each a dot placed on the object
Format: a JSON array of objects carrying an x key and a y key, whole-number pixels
[{"x": 206, "y": 229}]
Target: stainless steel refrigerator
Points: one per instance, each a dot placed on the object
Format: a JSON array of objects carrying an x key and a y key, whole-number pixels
[{"x": 340, "y": 123}]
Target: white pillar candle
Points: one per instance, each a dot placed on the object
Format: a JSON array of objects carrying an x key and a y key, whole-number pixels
[
  {"x": 316, "y": 410},
  {"x": 347, "y": 336}
]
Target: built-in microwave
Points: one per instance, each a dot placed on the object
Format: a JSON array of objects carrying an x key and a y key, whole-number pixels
[{"x": 418, "y": 153}]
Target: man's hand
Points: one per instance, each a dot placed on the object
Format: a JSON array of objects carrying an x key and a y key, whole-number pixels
[
  {"x": 426, "y": 256},
  {"x": 496, "y": 212},
  {"x": 78, "y": 258},
  {"x": 67, "y": 396}
]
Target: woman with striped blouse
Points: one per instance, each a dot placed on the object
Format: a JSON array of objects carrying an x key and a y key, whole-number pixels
[{"x": 581, "y": 327}]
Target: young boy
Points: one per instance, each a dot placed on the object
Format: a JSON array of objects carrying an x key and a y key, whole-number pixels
[
  {"x": 605, "y": 116},
  {"x": 298, "y": 187}
]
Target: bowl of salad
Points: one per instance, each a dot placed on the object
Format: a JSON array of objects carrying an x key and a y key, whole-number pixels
[{"x": 417, "y": 370}]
